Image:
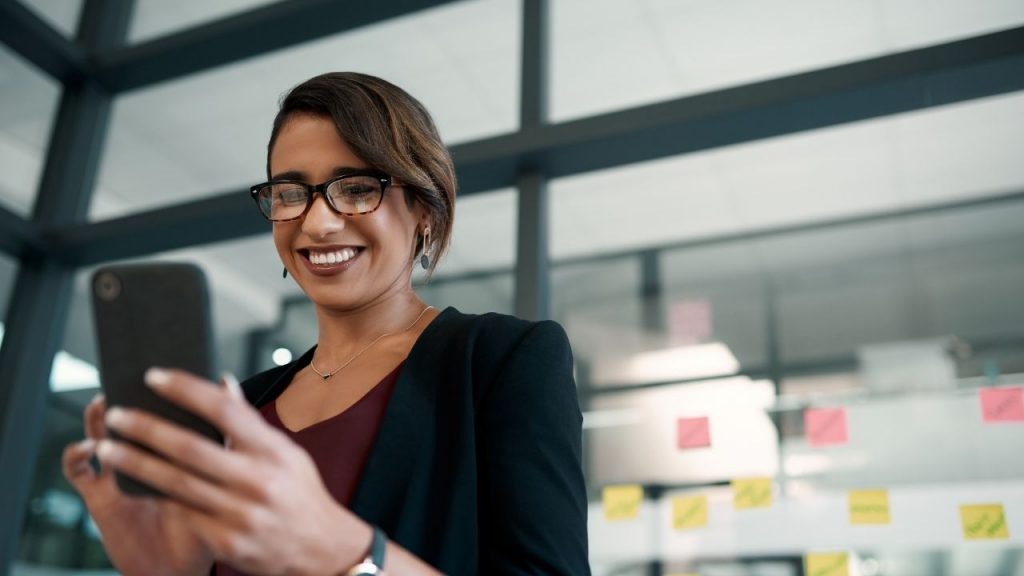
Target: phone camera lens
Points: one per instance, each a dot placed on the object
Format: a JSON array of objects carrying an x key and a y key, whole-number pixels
[{"x": 108, "y": 286}]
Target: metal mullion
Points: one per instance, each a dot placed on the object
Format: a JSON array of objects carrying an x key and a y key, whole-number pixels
[
  {"x": 38, "y": 308},
  {"x": 532, "y": 272},
  {"x": 32, "y": 38}
]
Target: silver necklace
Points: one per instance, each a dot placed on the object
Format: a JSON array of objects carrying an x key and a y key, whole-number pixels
[{"x": 327, "y": 375}]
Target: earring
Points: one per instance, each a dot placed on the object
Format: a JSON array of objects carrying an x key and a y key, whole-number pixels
[
  {"x": 425, "y": 258},
  {"x": 284, "y": 274}
]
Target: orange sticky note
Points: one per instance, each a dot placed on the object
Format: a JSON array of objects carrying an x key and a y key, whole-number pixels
[
  {"x": 751, "y": 493},
  {"x": 689, "y": 512},
  {"x": 869, "y": 506},
  {"x": 984, "y": 522},
  {"x": 1002, "y": 404},
  {"x": 826, "y": 426},
  {"x": 622, "y": 502},
  {"x": 693, "y": 433},
  {"x": 827, "y": 564}
]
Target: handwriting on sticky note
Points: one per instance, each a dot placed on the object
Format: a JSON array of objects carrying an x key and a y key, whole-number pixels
[
  {"x": 622, "y": 502},
  {"x": 826, "y": 426},
  {"x": 751, "y": 493},
  {"x": 689, "y": 512},
  {"x": 827, "y": 564},
  {"x": 984, "y": 522},
  {"x": 693, "y": 433},
  {"x": 869, "y": 506},
  {"x": 1002, "y": 404}
]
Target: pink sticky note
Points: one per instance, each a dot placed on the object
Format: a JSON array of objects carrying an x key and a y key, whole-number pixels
[
  {"x": 694, "y": 433},
  {"x": 826, "y": 426},
  {"x": 1002, "y": 404}
]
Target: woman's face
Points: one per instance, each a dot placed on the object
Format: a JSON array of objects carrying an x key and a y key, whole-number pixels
[{"x": 371, "y": 252}]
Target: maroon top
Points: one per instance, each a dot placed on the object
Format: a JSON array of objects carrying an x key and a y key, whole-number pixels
[{"x": 340, "y": 445}]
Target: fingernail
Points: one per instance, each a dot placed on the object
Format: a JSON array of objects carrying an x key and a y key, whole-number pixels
[
  {"x": 88, "y": 444},
  {"x": 97, "y": 398},
  {"x": 232, "y": 384},
  {"x": 115, "y": 417},
  {"x": 106, "y": 450},
  {"x": 157, "y": 377}
]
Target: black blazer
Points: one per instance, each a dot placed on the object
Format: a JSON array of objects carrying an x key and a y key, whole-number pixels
[{"x": 476, "y": 468}]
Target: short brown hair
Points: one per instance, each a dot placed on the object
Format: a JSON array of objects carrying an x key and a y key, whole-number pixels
[{"x": 390, "y": 131}]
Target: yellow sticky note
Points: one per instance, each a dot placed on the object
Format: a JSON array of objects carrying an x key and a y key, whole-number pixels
[
  {"x": 752, "y": 493},
  {"x": 622, "y": 502},
  {"x": 827, "y": 564},
  {"x": 869, "y": 507},
  {"x": 984, "y": 522},
  {"x": 689, "y": 512}
]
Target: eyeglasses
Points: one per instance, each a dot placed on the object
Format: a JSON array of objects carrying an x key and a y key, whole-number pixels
[{"x": 351, "y": 194}]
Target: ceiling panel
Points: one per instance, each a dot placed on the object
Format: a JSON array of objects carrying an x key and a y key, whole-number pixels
[{"x": 613, "y": 54}]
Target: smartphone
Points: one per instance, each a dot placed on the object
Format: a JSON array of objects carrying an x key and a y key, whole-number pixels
[{"x": 152, "y": 315}]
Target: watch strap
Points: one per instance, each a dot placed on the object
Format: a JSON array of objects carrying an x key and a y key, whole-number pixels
[{"x": 373, "y": 565}]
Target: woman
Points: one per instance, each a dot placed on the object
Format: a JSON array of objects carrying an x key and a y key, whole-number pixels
[{"x": 409, "y": 440}]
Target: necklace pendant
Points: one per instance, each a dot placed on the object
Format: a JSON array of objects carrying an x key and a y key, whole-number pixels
[{"x": 328, "y": 376}]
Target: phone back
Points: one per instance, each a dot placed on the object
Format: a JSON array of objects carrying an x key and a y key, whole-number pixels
[{"x": 152, "y": 315}]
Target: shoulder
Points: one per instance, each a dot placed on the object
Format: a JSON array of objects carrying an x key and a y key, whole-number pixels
[{"x": 493, "y": 335}]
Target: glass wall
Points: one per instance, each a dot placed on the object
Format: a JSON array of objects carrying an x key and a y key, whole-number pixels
[
  {"x": 804, "y": 350},
  {"x": 796, "y": 355}
]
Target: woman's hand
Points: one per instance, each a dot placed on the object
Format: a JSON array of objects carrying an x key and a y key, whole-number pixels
[
  {"x": 140, "y": 535},
  {"x": 259, "y": 505}
]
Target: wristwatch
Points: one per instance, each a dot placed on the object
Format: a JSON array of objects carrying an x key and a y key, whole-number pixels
[{"x": 373, "y": 565}]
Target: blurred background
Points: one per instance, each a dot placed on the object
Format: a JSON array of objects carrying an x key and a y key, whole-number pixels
[{"x": 785, "y": 238}]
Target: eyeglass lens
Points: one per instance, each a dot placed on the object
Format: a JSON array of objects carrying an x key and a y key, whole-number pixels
[{"x": 349, "y": 195}]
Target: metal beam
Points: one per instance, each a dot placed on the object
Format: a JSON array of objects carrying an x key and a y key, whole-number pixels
[
  {"x": 32, "y": 38},
  {"x": 224, "y": 217},
  {"x": 944, "y": 74},
  {"x": 18, "y": 236},
  {"x": 234, "y": 38},
  {"x": 38, "y": 308}
]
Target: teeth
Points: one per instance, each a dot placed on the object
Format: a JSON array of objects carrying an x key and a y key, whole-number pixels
[{"x": 327, "y": 258}]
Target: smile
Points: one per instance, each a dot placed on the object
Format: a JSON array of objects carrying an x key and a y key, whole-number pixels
[{"x": 335, "y": 257}]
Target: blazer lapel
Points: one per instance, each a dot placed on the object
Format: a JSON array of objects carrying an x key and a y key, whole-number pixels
[{"x": 381, "y": 490}]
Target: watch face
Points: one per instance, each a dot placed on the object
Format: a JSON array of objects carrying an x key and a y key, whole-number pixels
[{"x": 365, "y": 568}]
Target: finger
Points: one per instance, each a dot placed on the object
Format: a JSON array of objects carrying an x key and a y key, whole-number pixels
[
  {"x": 217, "y": 405},
  {"x": 93, "y": 418},
  {"x": 75, "y": 463},
  {"x": 182, "y": 446},
  {"x": 222, "y": 539},
  {"x": 168, "y": 478}
]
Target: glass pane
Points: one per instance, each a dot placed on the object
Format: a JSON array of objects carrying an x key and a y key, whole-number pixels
[
  {"x": 211, "y": 131},
  {"x": 484, "y": 234},
  {"x": 61, "y": 14},
  {"x": 613, "y": 54},
  {"x": 152, "y": 18},
  {"x": 896, "y": 343},
  {"x": 30, "y": 104}
]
